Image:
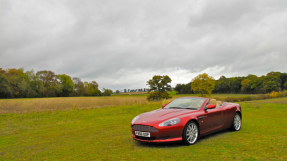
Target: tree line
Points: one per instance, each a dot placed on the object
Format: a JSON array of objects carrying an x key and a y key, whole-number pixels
[
  {"x": 251, "y": 84},
  {"x": 15, "y": 83}
]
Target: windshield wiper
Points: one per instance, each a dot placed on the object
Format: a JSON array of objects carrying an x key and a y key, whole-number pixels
[
  {"x": 174, "y": 108},
  {"x": 192, "y": 108}
]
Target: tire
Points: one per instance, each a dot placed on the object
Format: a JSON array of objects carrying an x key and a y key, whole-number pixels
[
  {"x": 236, "y": 124},
  {"x": 190, "y": 133}
]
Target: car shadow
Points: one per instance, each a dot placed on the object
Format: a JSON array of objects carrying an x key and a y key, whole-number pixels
[{"x": 180, "y": 144}]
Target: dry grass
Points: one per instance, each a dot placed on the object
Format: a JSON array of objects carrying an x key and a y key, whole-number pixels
[
  {"x": 282, "y": 100},
  {"x": 63, "y": 103}
]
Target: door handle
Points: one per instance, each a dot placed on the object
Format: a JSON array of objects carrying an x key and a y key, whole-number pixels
[{"x": 201, "y": 117}]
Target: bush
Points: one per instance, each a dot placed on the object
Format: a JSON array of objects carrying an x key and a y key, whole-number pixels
[
  {"x": 274, "y": 94},
  {"x": 97, "y": 93},
  {"x": 256, "y": 98},
  {"x": 281, "y": 94},
  {"x": 242, "y": 98},
  {"x": 248, "y": 98},
  {"x": 231, "y": 99},
  {"x": 156, "y": 96},
  {"x": 264, "y": 96},
  {"x": 107, "y": 92}
]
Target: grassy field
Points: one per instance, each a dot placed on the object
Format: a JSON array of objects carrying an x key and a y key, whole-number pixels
[{"x": 77, "y": 129}]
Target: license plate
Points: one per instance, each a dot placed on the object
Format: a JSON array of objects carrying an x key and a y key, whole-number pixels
[{"x": 144, "y": 134}]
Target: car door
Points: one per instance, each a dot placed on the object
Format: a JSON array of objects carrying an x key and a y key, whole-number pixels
[{"x": 213, "y": 119}]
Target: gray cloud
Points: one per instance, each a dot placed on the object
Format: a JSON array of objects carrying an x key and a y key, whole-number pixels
[{"x": 122, "y": 44}]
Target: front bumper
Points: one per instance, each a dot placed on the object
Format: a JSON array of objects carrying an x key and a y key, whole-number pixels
[
  {"x": 163, "y": 140},
  {"x": 167, "y": 134}
]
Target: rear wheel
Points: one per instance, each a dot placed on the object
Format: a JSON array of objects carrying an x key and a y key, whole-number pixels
[
  {"x": 190, "y": 133},
  {"x": 236, "y": 125}
]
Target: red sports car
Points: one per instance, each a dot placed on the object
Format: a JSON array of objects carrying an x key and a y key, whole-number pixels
[{"x": 186, "y": 119}]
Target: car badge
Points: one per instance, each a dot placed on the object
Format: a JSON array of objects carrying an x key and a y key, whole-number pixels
[{"x": 144, "y": 121}]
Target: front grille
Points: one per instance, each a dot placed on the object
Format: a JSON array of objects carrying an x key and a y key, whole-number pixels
[
  {"x": 144, "y": 128},
  {"x": 145, "y": 138}
]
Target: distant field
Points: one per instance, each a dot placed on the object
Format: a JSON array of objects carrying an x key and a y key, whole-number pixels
[
  {"x": 92, "y": 133},
  {"x": 274, "y": 100},
  {"x": 63, "y": 103}
]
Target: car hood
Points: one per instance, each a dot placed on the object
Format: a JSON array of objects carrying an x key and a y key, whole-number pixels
[{"x": 160, "y": 115}]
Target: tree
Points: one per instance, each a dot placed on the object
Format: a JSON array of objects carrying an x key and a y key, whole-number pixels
[
  {"x": 156, "y": 96},
  {"x": 78, "y": 87},
  {"x": 183, "y": 88},
  {"x": 235, "y": 84},
  {"x": 270, "y": 86},
  {"x": 91, "y": 89},
  {"x": 273, "y": 77},
  {"x": 245, "y": 85},
  {"x": 203, "y": 84},
  {"x": 35, "y": 84},
  {"x": 272, "y": 81},
  {"x": 283, "y": 77},
  {"x": 24, "y": 88},
  {"x": 50, "y": 84},
  {"x": 222, "y": 85},
  {"x": 285, "y": 85},
  {"x": 256, "y": 85},
  {"x": 179, "y": 88},
  {"x": 117, "y": 91},
  {"x": 5, "y": 91},
  {"x": 159, "y": 85},
  {"x": 15, "y": 76},
  {"x": 107, "y": 92},
  {"x": 67, "y": 84}
]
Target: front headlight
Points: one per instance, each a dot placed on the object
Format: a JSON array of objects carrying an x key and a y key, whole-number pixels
[
  {"x": 170, "y": 122},
  {"x": 135, "y": 119}
]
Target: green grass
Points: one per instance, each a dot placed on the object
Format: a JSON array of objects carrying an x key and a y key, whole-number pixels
[{"x": 104, "y": 134}]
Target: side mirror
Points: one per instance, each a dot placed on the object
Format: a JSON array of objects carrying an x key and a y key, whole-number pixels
[
  {"x": 163, "y": 105},
  {"x": 211, "y": 106}
]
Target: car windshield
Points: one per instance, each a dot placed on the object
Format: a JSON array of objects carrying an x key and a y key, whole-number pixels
[{"x": 186, "y": 103}]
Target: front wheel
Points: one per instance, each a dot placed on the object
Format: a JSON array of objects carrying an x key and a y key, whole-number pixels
[
  {"x": 236, "y": 125},
  {"x": 190, "y": 133}
]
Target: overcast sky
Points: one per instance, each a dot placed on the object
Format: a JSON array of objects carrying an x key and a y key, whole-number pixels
[{"x": 124, "y": 43}]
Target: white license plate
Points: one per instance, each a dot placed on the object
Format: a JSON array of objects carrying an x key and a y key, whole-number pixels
[{"x": 144, "y": 134}]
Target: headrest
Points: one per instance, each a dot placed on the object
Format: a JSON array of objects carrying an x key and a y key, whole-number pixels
[
  {"x": 218, "y": 103},
  {"x": 213, "y": 101}
]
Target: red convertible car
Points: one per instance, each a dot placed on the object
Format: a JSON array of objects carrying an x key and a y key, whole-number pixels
[{"x": 186, "y": 119}]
